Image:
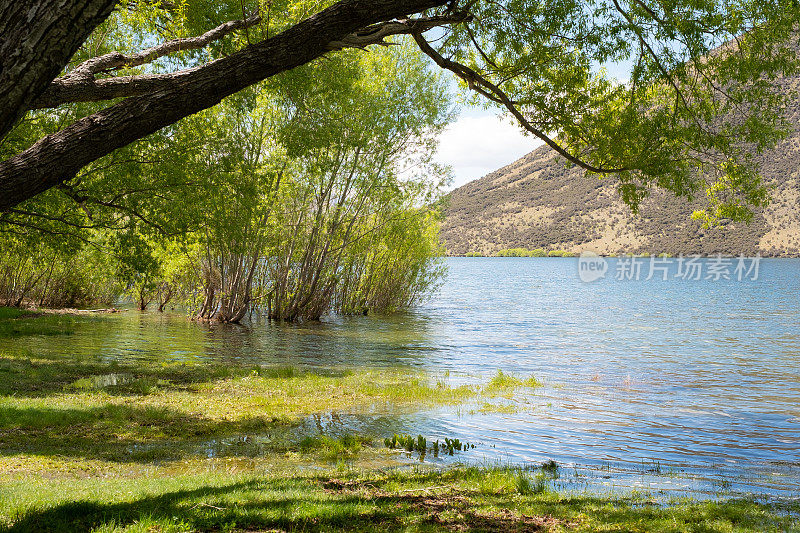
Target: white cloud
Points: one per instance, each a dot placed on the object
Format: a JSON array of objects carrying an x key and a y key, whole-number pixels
[{"x": 476, "y": 145}]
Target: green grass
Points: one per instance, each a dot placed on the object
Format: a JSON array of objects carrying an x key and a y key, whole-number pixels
[
  {"x": 334, "y": 449},
  {"x": 18, "y": 323},
  {"x": 10, "y": 312},
  {"x": 465, "y": 499},
  {"x": 62, "y": 414},
  {"x": 67, "y": 415},
  {"x": 506, "y": 385},
  {"x": 62, "y": 410}
]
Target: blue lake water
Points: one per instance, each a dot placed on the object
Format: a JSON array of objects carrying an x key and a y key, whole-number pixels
[
  {"x": 688, "y": 386},
  {"x": 680, "y": 376}
]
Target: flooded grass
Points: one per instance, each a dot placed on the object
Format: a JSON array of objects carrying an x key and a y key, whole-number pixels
[
  {"x": 503, "y": 384},
  {"x": 65, "y": 414},
  {"x": 166, "y": 446},
  {"x": 334, "y": 449},
  {"x": 502, "y": 391},
  {"x": 498, "y": 408},
  {"x": 46, "y": 409}
]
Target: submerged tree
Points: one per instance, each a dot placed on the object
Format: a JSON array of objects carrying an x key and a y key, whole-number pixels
[
  {"x": 308, "y": 170},
  {"x": 248, "y": 167},
  {"x": 535, "y": 59}
]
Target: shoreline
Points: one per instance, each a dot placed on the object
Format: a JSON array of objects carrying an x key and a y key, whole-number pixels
[{"x": 613, "y": 256}]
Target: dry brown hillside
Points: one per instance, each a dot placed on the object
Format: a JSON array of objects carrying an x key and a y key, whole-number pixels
[{"x": 536, "y": 202}]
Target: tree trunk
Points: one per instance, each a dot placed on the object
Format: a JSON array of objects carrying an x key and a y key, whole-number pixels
[{"x": 37, "y": 39}]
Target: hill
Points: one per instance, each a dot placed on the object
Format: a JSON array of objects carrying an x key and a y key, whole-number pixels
[{"x": 537, "y": 202}]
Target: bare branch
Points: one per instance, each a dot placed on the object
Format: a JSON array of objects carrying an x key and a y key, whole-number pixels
[
  {"x": 117, "y": 60},
  {"x": 375, "y": 34},
  {"x": 82, "y": 79}
]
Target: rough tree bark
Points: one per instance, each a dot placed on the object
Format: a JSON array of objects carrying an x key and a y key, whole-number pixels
[
  {"x": 58, "y": 157},
  {"x": 37, "y": 39}
]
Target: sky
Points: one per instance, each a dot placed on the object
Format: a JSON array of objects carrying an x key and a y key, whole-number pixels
[{"x": 480, "y": 142}]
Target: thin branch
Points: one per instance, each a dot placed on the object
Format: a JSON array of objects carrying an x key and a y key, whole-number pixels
[
  {"x": 117, "y": 60},
  {"x": 375, "y": 34},
  {"x": 491, "y": 91}
]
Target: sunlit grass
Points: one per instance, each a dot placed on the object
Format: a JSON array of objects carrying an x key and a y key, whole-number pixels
[
  {"x": 48, "y": 404},
  {"x": 503, "y": 384},
  {"x": 55, "y": 414},
  {"x": 61, "y": 414},
  {"x": 498, "y": 408},
  {"x": 493, "y": 499}
]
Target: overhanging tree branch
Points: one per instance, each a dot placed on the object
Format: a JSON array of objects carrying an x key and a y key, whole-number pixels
[
  {"x": 57, "y": 157},
  {"x": 81, "y": 86},
  {"x": 116, "y": 60}
]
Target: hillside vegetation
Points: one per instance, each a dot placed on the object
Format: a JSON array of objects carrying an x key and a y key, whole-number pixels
[{"x": 538, "y": 202}]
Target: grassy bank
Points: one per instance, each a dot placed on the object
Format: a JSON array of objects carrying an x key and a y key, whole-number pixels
[
  {"x": 100, "y": 418},
  {"x": 453, "y": 500},
  {"x": 87, "y": 444}
]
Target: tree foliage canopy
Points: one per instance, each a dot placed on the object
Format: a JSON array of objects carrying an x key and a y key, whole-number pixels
[{"x": 697, "y": 102}]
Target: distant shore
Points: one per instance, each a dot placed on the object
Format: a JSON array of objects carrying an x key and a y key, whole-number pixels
[{"x": 562, "y": 254}]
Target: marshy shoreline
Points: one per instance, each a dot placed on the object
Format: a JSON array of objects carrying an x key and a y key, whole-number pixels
[{"x": 204, "y": 447}]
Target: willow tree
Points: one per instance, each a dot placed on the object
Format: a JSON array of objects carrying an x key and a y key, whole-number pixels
[
  {"x": 362, "y": 144},
  {"x": 242, "y": 178},
  {"x": 536, "y": 59}
]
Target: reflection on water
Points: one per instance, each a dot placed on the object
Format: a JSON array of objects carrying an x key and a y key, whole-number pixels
[{"x": 681, "y": 385}]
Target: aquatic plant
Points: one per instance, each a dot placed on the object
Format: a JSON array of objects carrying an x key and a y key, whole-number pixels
[
  {"x": 502, "y": 382},
  {"x": 334, "y": 449},
  {"x": 550, "y": 466},
  {"x": 420, "y": 444},
  {"x": 527, "y": 486},
  {"x": 498, "y": 408}
]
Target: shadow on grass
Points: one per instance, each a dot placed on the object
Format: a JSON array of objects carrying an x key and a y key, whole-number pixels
[
  {"x": 18, "y": 323},
  {"x": 37, "y": 378},
  {"x": 123, "y": 433},
  {"x": 316, "y": 504}
]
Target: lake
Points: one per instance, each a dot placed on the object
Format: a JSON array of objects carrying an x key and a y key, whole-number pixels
[{"x": 688, "y": 385}]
